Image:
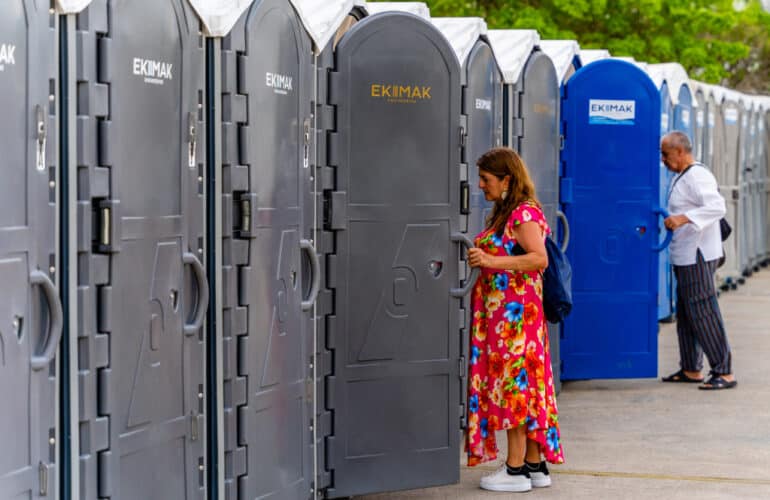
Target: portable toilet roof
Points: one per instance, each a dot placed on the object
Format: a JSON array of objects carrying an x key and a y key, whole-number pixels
[
  {"x": 562, "y": 53},
  {"x": 322, "y": 18},
  {"x": 417, "y": 8},
  {"x": 675, "y": 75},
  {"x": 512, "y": 49},
  {"x": 461, "y": 32},
  {"x": 587, "y": 56},
  {"x": 71, "y": 6}
]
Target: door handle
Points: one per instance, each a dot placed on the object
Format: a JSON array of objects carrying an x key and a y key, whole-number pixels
[
  {"x": 563, "y": 218},
  {"x": 465, "y": 289},
  {"x": 189, "y": 259},
  {"x": 315, "y": 269},
  {"x": 669, "y": 233},
  {"x": 56, "y": 320}
]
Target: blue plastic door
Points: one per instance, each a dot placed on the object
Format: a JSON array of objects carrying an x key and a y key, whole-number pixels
[
  {"x": 665, "y": 275},
  {"x": 611, "y": 184}
]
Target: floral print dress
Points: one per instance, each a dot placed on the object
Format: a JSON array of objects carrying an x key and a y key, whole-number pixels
[{"x": 510, "y": 376}]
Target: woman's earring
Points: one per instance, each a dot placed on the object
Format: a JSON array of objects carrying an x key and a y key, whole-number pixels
[{"x": 504, "y": 195}]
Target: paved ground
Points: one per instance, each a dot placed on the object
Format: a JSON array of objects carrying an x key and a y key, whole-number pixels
[{"x": 640, "y": 439}]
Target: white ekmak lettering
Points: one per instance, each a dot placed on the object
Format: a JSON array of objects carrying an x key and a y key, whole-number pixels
[
  {"x": 7, "y": 52},
  {"x": 484, "y": 104},
  {"x": 278, "y": 81},
  {"x": 152, "y": 69}
]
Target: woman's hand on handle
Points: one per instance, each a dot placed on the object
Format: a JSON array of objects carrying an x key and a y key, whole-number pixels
[{"x": 479, "y": 258}]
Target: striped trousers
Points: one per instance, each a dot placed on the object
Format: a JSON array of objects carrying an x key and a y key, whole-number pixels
[{"x": 699, "y": 324}]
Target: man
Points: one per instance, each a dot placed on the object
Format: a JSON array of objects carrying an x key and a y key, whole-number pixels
[{"x": 696, "y": 207}]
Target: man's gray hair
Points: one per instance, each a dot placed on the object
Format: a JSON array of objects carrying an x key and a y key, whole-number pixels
[{"x": 678, "y": 139}]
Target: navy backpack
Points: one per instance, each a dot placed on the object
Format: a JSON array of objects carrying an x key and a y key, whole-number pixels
[{"x": 557, "y": 282}]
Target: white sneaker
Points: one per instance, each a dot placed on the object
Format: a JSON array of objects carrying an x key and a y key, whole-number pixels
[
  {"x": 539, "y": 475},
  {"x": 500, "y": 480}
]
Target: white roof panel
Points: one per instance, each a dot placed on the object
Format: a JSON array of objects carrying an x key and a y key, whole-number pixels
[
  {"x": 587, "y": 56},
  {"x": 461, "y": 32},
  {"x": 675, "y": 76},
  {"x": 219, "y": 16},
  {"x": 71, "y": 6},
  {"x": 417, "y": 8},
  {"x": 512, "y": 49},
  {"x": 562, "y": 53},
  {"x": 322, "y": 18}
]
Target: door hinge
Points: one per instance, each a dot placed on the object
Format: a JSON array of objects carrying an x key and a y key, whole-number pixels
[
  {"x": 561, "y": 142},
  {"x": 243, "y": 216},
  {"x": 192, "y": 139},
  {"x": 42, "y": 133},
  {"x": 463, "y": 367},
  {"x": 463, "y": 137},
  {"x": 104, "y": 222},
  {"x": 43, "y": 477},
  {"x": 335, "y": 210}
]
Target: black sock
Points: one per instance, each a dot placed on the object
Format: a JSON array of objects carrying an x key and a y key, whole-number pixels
[
  {"x": 516, "y": 471},
  {"x": 537, "y": 467}
]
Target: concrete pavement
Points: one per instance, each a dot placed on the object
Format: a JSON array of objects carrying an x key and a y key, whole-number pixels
[{"x": 640, "y": 439}]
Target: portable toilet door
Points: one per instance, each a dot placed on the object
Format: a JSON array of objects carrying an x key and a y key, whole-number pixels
[
  {"x": 393, "y": 248},
  {"x": 531, "y": 127},
  {"x": 31, "y": 316},
  {"x": 565, "y": 55},
  {"x": 756, "y": 252},
  {"x": 136, "y": 180},
  {"x": 264, "y": 228},
  {"x": 729, "y": 185},
  {"x": 611, "y": 113},
  {"x": 765, "y": 169},
  {"x": 743, "y": 172},
  {"x": 665, "y": 274}
]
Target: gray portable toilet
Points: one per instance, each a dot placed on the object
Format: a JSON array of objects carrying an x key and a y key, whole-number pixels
[
  {"x": 743, "y": 173},
  {"x": 264, "y": 71},
  {"x": 531, "y": 127},
  {"x": 531, "y": 110},
  {"x": 705, "y": 123},
  {"x": 729, "y": 182},
  {"x": 752, "y": 173},
  {"x": 482, "y": 108},
  {"x": 135, "y": 201},
  {"x": 31, "y": 316},
  {"x": 482, "y": 113},
  {"x": 389, "y": 172},
  {"x": 565, "y": 56},
  {"x": 764, "y": 175}
]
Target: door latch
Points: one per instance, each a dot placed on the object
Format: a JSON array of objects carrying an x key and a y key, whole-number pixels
[
  {"x": 192, "y": 130},
  {"x": 41, "y": 137}
]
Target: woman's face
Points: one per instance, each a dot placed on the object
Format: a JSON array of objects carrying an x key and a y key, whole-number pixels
[{"x": 492, "y": 186}]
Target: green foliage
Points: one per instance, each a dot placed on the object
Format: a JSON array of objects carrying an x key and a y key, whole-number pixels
[{"x": 713, "y": 41}]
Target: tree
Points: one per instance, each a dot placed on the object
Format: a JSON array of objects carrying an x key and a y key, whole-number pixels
[{"x": 712, "y": 39}]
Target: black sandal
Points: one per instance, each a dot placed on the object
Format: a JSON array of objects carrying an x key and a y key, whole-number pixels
[
  {"x": 717, "y": 382},
  {"x": 681, "y": 377}
]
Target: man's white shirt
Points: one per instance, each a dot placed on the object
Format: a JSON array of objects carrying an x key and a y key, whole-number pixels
[{"x": 695, "y": 194}]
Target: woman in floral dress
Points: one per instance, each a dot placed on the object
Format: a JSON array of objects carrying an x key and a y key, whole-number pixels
[{"x": 511, "y": 382}]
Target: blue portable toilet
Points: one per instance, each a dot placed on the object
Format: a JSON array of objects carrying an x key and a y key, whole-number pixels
[
  {"x": 611, "y": 194},
  {"x": 665, "y": 281}
]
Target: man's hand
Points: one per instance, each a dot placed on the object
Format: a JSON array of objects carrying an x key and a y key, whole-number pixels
[
  {"x": 478, "y": 258},
  {"x": 674, "y": 222}
]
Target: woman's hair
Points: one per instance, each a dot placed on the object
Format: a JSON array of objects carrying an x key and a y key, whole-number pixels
[{"x": 501, "y": 162}]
